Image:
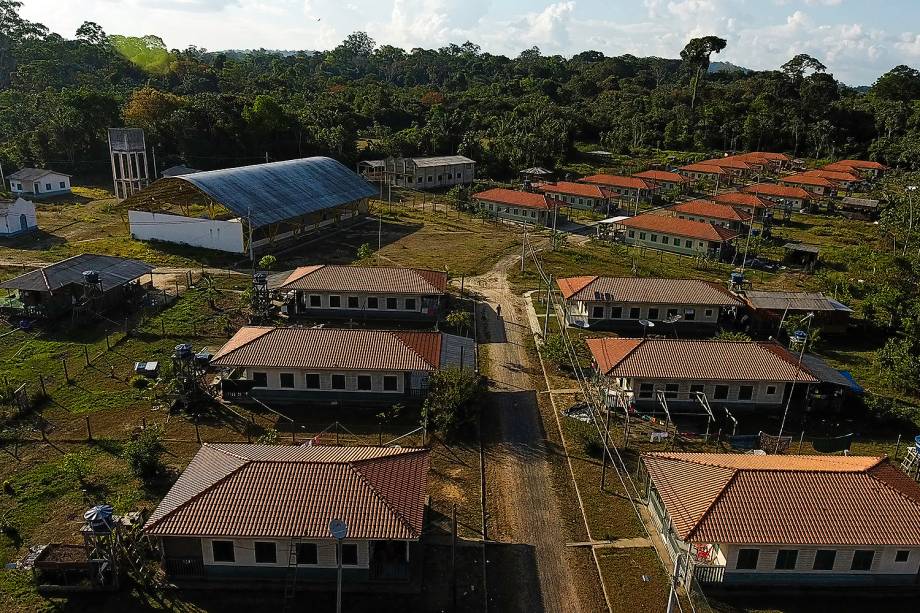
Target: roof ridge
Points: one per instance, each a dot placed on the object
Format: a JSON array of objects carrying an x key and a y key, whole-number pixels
[
  {"x": 883, "y": 461},
  {"x": 383, "y": 499},
  {"x": 397, "y": 334}
]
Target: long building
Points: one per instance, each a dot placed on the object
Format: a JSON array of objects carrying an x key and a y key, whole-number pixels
[
  {"x": 421, "y": 172},
  {"x": 676, "y": 235}
]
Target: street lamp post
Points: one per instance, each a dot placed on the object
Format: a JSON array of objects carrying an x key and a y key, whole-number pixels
[{"x": 339, "y": 531}]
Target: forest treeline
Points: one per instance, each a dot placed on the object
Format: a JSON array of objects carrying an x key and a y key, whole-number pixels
[{"x": 58, "y": 95}]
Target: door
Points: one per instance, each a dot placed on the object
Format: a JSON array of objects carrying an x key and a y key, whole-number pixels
[
  {"x": 36, "y": 188},
  {"x": 23, "y": 223}
]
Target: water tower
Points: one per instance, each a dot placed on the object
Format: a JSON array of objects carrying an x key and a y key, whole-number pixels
[{"x": 128, "y": 152}]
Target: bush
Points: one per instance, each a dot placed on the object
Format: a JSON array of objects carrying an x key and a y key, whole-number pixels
[
  {"x": 452, "y": 401},
  {"x": 267, "y": 262},
  {"x": 139, "y": 382},
  {"x": 269, "y": 437},
  {"x": 144, "y": 450},
  {"x": 460, "y": 321},
  {"x": 554, "y": 350},
  {"x": 365, "y": 251}
]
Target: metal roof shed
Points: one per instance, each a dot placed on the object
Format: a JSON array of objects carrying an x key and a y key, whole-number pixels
[{"x": 112, "y": 272}]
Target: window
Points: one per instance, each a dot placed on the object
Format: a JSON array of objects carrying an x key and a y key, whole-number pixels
[
  {"x": 862, "y": 559},
  {"x": 260, "y": 379},
  {"x": 223, "y": 551},
  {"x": 632, "y": 234},
  {"x": 63, "y": 185},
  {"x": 709, "y": 313},
  {"x": 450, "y": 175},
  {"x": 689, "y": 314},
  {"x": 307, "y": 553},
  {"x": 335, "y": 302},
  {"x": 316, "y": 301},
  {"x": 646, "y": 390},
  {"x": 338, "y": 382},
  {"x": 353, "y": 302},
  {"x": 672, "y": 313},
  {"x": 287, "y": 380},
  {"x": 697, "y": 387},
  {"x": 786, "y": 559},
  {"x": 312, "y": 381},
  {"x": 349, "y": 554},
  {"x": 265, "y": 553},
  {"x": 642, "y": 236},
  {"x": 364, "y": 382},
  {"x": 902, "y": 555},
  {"x": 410, "y": 304},
  {"x": 824, "y": 559},
  {"x": 653, "y": 313},
  {"x": 747, "y": 559},
  {"x": 440, "y": 178},
  {"x": 580, "y": 201},
  {"x": 390, "y": 383},
  {"x": 671, "y": 389},
  {"x": 688, "y": 244},
  {"x": 654, "y": 238},
  {"x": 635, "y": 312},
  {"x": 392, "y": 303},
  {"x": 533, "y": 213},
  {"x": 430, "y": 178},
  {"x": 664, "y": 240},
  {"x": 597, "y": 312},
  {"x": 372, "y": 302},
  {"x": 771, "y": 390},
  {"x": 47, "y": 187},
  {"x": 745, "y": 392},
  {"x": 616, "y": 312},
  {"x": 721, "y": 392}
]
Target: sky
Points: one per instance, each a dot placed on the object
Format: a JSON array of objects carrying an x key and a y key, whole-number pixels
[{"x": 858, "y": 40}]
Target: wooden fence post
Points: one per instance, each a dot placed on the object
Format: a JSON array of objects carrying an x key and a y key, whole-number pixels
[
  {"x": 86, "y": 354},
  {"x": 66, "y": 374},
  {"x": 108, "y": 346},
  {"x": 89, "y": 430},
  {"x": 41, "y": 381}
]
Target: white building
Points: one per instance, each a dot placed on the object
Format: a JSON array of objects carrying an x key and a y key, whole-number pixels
[
  {"x": 39, "y": 182},
  {"x": 421, "y": 172},
  {"x": 17, "y": 217}
]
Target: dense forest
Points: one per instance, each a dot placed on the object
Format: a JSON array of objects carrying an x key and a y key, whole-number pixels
[{"x": 58, "y": 95}]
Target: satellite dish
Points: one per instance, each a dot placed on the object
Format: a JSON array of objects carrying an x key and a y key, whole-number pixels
[
  {"x": 647, "y": 323},
  {"x": 338, "y": 529},
  {"x": 673, "y": 319}
]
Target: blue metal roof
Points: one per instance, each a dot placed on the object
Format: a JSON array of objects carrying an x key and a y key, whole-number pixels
[{"x": 280, "y": 191}]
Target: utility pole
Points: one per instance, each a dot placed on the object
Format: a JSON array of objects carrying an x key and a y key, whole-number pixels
[
  {"x": 549, "y": 286},
  {"x": 675, "y": 579},
  {"x": 523, "y": 244},
  {"x": 153, "y": 153},
  {"x": 266, "y": 157},
  {"x": 555, "y": 214},
  {"x": 795, "y": 380}
]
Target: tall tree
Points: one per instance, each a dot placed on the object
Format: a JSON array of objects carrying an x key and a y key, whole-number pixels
[{"x": 696, "y": 55}]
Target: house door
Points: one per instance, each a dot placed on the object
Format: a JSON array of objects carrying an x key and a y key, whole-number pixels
[{"x": 23, "y": 223}]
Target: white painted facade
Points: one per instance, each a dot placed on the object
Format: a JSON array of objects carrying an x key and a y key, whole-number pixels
[
  {"x": 884, "y": 559},
  {"x": 207, "y": 233},
  {"x": 598, "y": 312},
  {"x": 383, "y": 382},
  {"x": 737, "y": 394},
  {"x": 17, "y": 217},
  {"x": 50, "y": 184},
  {"x": 244, "y": 553}
]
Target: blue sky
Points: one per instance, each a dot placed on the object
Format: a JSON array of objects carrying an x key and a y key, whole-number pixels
[{"x": 857, "y": 39}]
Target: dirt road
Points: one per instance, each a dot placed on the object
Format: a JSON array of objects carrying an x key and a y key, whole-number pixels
[{"x": 528, "y": 571}]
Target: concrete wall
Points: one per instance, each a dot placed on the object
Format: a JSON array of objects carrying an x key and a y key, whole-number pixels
[
  {"x": 207, "y": 233},
  {"x": 11, "y": 222},
  {"x": 586, "y": 203},
  {"x": 430, "y": 177},
  {"x": 518, "y": 213},
  {"x": 667, "y": 242},
  {"x": 244, "y": 552},
  {"x": 733, "y": 225},
  {"x": 586, "y": 310},
  {"x": 45, "y": 186},
  {"x": 761, "y": 396},
  {"x": 424, "y": 305},
  {"x": 325, "y": 380}
]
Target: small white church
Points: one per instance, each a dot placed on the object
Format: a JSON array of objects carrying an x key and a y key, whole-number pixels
[{"x": 17, "y": 217}]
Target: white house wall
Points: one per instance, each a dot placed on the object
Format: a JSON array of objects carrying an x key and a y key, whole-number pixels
[
  {"x": 11, "y": 221},
  {"x": 883, "y": 562},
  {"x": 244, "y": 553},
  {"x": 207, "y": 233}
]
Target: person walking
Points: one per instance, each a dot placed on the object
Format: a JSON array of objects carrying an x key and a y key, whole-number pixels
[{"x": 498, "y": 310}]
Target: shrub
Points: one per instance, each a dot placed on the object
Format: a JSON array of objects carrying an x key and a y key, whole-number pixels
[
  {"x": 554, "y": 350},
  {"x": 365, "y": 251},
  {"x": 269, "y": 437},
  {"x": 451, "y": 404},
  {"x": 144, "y": 450},
  {"x": 139, "y": 382},
  {"x": 461, "y": 321},
  {"x": 267, "y": 262}
]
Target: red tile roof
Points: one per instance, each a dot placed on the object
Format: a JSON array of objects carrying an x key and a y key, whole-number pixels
[
  {"x": 865, "y": 164},
  {"x": 787, "y": 500},
  {"x": 617, "y": 181},
  {"x": 250, "y": 491},
  {"x": 501, "y": 195},
  {"x": 660, "y": 176},
  {"x": 378, "y": 280},
  {"x": 728, "y": 162},
  {"x": 700, "y": 360},
  {"x": 704, "y": 169},
  {"x": 679, "y": 227},
  {"x": 646, "y": 290},
  {"x": 833, "y": 175},
  {"x": 779, "y": 191},
  {"x": 572, "y": 189},
  {"x": 803, "y": 179},
  {"x": 714, "y": 210},
  {"x": 741, "y": 199},
  {"x": 608, "y": 352}
]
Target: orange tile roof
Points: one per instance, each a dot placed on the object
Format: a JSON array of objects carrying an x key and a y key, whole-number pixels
[
  {"x": 660, "y": 176},
  {"x": 707, "y": 208},
  {"x": 833, "y": 175},
  {"x": 787, "y": 500},
  {"x": 608, "y": 352},
  {"x": 617, "y": 181},
  {"x": 780, "y": 191},
  {"x": 646, "y": 290},
  {"x": 571, "y": 188},
  {"x": 679, "y": 227},
  {"x": 373, "y": 279},
  {"x": 776, "y": 157},
  {"x": 803, "y": 179},
  {"x": 515, "y": 198},
  {"x": 250, "y": 491},
  {"x": 742, "y": 199},
  {"x": 728, "y": 162},
  {"x": 701, "y": 360},
  {"x": 330, "y": 348},
  {"x": 866, "y": 164},
  {"x": 704, "y": 169},
  {"x": 838, "y": 167}
]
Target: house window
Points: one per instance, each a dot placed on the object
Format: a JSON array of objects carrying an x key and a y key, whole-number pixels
[
  {"x": 786, "y": 559},
  {"x": 349, "y": 554},
  {"x": 635, "y": 312},
  {"x": 641, "y": 236},
  {"x": 654, "y": 238},
  {"x": 440, "y": 178},
  {"x": 616, "y": 312},
  {"x": 223, "y": 551},
  {"x": 862, "y": 559},
  {"x": 316, "y": 301},
  {"x": 697, "y": 388},
  {"x": 824, "y": 559},
  {"x": 653, "y": 313},
  {"x": 672, "y": 313},
  {"x": 689, "y": 314},
  {"x": 721, "y": 392},
  {"x": 47, "y": 187},
  {"x": 747, "y": 559},
  {"x": 450, "y": 176},
  {"x": 372, "y": 302},
  {"x": 597, "y": 312},
  {"x": 390, "y": 383},
  {"x": 771, "y": 390},
  {"x": 392, "y": 303},
  {"x": 259, "y": 379},
  {"x": 533, "y": 213},
  {"x": 430, "y": 178},
  {"x": 902, "y": 555},
  {"x": 265, "y": 553},
  {"x": 335, "y": 302},
  {"x": 287, "y": 380},
  {"x": 664, "y": 240},
  {"x": 338, "y": 382},
  {"x": 688, "y": 244},
  {"x": 312, "y": 381},
  {"x": 646, "y": 390},
  {"x": 353, "y": 302},
  {"x": 307, "y": 553},
  {"x": 671, "y": 389},
  {"x": 632, "y": 234},
  {"x": 709, "y": 313},
  {"x": 364, "y": 383},
  {"x": 410, "y": 304},
  {"x": 745, "y": 392},
  {"x": 63, "y": 185}
]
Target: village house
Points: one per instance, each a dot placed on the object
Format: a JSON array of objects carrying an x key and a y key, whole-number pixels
[
  {"x": 663, "y": 180},
  {"x": 871, "y": 170},
  {"x": 783, "y": 196},
  {"x": 336, "y": 366},
  {"x": 766, "y": 521},
  {"x": 85, "y": 282},
  {"x": 712, "y": 212},
  {"x": 776, "y": 160},
  {"x": 751, "y": 204},
  {"x": 17, "y": 216},
  {"x": 522, "y": 207},
  {"x": 584, "y": 196},
  {"x": 421, "y": 172},
  {"x": 708, "y": 172},
  {"x": 768, "y": 309},
  {"x": 846, "y": 180},
  {"x": 39, "y": 182},
  {"x": 695, "y": 238},
  {"x": 364, "y": 292},
  {"x": 818, "y": 186},
  {"x": 625, "y": 188},
  {"x": 620, "y": 303},
  {"x": 275, "y": 530},
  {"x": 742, "y": 375},
  {"x": 735, "y": 167}
]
